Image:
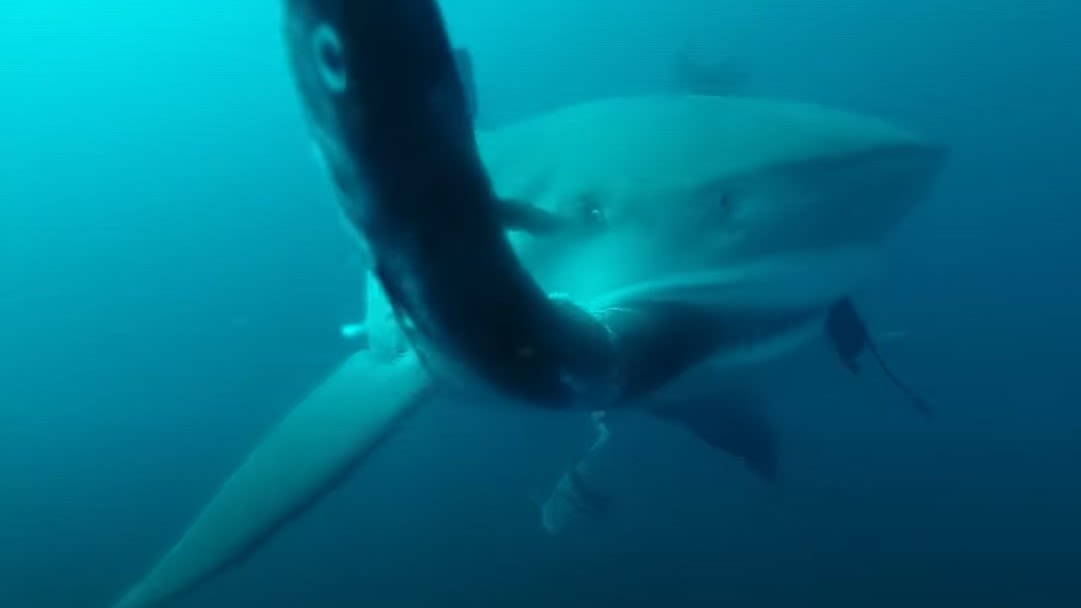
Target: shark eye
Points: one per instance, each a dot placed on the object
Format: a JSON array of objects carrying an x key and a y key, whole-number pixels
[{"x": 329, "y": 60}]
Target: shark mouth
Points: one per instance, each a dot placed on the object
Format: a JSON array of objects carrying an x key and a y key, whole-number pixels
[{"x": 799, "y": 281}]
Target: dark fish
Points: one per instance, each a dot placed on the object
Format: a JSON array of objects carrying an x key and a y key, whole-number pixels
[
  {"x": 383, "y": 93},
  {"x": 849, "y": 336}
]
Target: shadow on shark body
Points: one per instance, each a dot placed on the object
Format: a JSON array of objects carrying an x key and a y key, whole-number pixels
[{"x": 738, "y": 206}]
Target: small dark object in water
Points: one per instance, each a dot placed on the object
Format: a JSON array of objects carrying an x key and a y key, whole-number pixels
[{"x": 849, "y": 336}]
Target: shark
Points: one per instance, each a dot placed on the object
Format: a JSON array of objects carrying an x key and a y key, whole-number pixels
[{"x": 756, "y": 214}]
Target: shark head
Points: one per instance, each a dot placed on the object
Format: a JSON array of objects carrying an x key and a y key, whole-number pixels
[
  {"x": 682, "y": 195},
  {"x": 731, "y": 205}
]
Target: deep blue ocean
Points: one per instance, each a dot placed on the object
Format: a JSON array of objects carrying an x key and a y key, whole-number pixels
[{"x": 173, "y": 275}]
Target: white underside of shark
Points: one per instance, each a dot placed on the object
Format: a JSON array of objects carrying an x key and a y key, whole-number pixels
[{"x": 738, "y": 205}]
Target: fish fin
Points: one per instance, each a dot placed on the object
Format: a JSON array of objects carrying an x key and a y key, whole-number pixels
[
  {"x": 463, "y": 60},
  {"x": 734, "y": 421},
  {"x": 305, "y": 456}
]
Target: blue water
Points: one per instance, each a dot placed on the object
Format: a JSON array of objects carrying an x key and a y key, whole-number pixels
[{"x": 173, "y": 274}]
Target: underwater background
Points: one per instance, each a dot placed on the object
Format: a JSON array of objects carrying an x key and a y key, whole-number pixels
[{"x": 173, "y": 275}]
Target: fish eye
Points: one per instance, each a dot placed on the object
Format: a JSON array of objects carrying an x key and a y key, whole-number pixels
[{"x": 329, "y": 59}]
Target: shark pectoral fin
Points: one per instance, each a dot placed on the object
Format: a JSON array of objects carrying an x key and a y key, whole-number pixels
[
  {"x": 735, "y": 422},
  {"x": 336, "y": 427}
]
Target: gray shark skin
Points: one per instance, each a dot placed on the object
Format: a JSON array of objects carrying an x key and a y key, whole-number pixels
[{"x": 745, "y": 208}]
